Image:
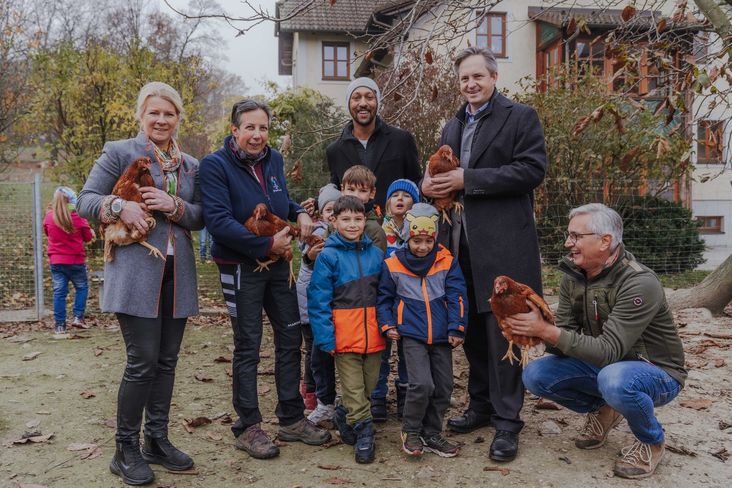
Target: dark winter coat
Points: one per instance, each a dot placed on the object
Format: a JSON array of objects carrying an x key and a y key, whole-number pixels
[
  {"x": 391, "y": 154},
  {"x": 507, "y": 162}
]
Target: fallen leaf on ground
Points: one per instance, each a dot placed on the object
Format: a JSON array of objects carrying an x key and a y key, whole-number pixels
[
  {"x": 31, "y": 356},
  {"x": 191, "y": 424},
  {"x": 226, "y": 420},
  {"x": 684, "y": 451},
  {"x": 503, "y": 471},
  {"x": 724, "y": 425},
  {"x": 719, "y": 362},
  {"x": 335, "y": 480},
  {"x": 565, "y": 459},
  {"x": 80, "y": 446},
  {"x": 201, "y": 376},
  {"x": 91, "y": 453},
  {"x": 334, "y": 441},
  {"x": 696, "y": 403},
  {"x": 722, "y": 455},
  {"x": 88, "y": 394},
  {"x": 222, "y": 359},
  {"x": 98, "y": 351},
  {"x": 543, "y": 404},
  {"x": 330, "y": 467},
  {"x": 36, "y": 439},
  {"x": 214, "y": 436},
  {"x": 32, "y": 424}
]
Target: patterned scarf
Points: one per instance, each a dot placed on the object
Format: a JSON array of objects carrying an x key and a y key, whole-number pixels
[
  {"x": 169, "y": 161},
  {"x": 244, "y": 156}
]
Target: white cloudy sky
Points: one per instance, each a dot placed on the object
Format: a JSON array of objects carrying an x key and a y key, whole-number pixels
[{"x": 253, "y": 56}]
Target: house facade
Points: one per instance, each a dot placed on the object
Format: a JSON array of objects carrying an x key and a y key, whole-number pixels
[{"x": 324, "y": 47}]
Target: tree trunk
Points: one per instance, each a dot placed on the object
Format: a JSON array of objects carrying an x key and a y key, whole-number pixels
[{"x": 713, "y": 293}]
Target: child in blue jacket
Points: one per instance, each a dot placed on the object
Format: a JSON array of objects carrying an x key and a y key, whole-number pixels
[{"x": 422, "y": 302}]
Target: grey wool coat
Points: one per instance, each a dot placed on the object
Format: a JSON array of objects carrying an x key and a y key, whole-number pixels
[
  {"x": 132, "y": 281},
  {"x": 507, "y": 162}
]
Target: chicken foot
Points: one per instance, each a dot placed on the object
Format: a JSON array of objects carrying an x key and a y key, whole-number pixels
[
  {"x": 510, "y": 355},
  {"x": 154, "y": 251}
]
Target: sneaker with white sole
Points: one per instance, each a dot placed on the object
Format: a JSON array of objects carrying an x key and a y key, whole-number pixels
[
  {"x": 323, "y": 414},
  {"x": 59, "y": 332},
  {"x": 439, "y": 445}
]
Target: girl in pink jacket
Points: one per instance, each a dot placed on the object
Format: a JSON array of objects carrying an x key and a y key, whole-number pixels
[{"x": 67, "y": 233}]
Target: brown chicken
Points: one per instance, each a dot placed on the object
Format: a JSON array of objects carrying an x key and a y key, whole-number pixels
[
  {"x": 128, "y": 188},
  {"x": 441, "y": 162},
  {"x": 266, "y": 224},
  {"x": 509, "y": 298}
]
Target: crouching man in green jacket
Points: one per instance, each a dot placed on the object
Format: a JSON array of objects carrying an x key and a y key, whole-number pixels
[{"x": 617, "y": 352}]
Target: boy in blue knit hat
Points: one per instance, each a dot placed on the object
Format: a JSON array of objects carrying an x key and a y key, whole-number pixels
[
  {"x": 400, "y": 197},
  {"x": 422, "y": 303}
]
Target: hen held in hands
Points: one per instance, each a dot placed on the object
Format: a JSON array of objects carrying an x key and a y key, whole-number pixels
[
  {"x": 509, "y": 298},
  {"x": 441, "y": 162},
  {"x": 128, "y": 188},
  {"x": 264, "y": 223}
]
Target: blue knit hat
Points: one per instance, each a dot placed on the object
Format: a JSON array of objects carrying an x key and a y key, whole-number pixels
[{"x": 404, "y": 185}]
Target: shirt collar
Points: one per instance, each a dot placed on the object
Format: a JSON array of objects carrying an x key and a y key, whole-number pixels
[{"x": 470, "y": 117}]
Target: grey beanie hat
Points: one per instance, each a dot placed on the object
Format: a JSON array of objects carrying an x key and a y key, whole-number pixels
[
  {"x": 329, "y": 193},
  {"x": 358, "y": 83}
]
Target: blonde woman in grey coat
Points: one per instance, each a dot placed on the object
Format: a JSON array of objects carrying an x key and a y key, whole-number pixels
[{"x": 151, "y": 297}]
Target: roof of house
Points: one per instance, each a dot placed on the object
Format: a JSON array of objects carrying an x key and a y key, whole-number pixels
[
  {"x": 320, "y": 16},
  {"x": 559, "y": 16}
]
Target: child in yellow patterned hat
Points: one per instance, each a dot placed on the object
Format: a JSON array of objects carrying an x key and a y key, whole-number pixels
[{"x": 422, "y": 303}]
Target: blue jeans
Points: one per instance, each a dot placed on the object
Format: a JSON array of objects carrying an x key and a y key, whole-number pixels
[
  {"x": 204, "y": 244},
  {"x": 62, "y": 274},
  {"x": 382, "y": 386},
  {"x": 632, "y": 388}
]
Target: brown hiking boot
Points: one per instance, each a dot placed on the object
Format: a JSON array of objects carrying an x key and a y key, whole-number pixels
[
  {"x": 257, "y": 443},
  {"x": 597, "y": 427},
  {"x": 304, "y": 431},
  {"x": 639, "y": 460}
]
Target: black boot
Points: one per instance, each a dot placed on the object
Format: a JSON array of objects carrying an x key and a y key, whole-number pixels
[
  {"x": 129, "y": 464},
  {"x": 378, "y": 409},
  {"x": 348, "y": 436},
  {"x": 401, "y": 390},
  {"x": 365, "y": 449},
  {"x": 159, "y": 450}
]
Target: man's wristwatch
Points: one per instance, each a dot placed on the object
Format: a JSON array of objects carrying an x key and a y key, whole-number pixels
[{"x": 117, "y": 206}]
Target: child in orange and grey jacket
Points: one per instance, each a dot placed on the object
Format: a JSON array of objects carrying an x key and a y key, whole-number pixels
[{"x": 422, "y": 303}]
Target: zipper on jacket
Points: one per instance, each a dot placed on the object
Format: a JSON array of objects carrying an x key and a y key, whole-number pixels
[
  {"x": 365, "y": 311},
  {"x": 594, "y": 304},
  {"x": 429, "y": 312}
]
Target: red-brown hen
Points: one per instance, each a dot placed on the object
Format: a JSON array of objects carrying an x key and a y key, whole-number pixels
[
  {"x": 264, "y": 223},
  {"x": 128, "y": 188},
  {"x": 509, "y": 298},
  {"x": 441, "y": 162}
]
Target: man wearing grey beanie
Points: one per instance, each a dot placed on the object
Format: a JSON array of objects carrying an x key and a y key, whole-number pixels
[{"x": 388, "y": 151}]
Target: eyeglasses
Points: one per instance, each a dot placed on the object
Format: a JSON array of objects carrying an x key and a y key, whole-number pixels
[{"x": 574, "y": 236}]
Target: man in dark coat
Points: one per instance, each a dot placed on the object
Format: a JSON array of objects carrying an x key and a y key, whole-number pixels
[
  {"x": 388, "y": 151},
  {"x": 502, "y": 160}
]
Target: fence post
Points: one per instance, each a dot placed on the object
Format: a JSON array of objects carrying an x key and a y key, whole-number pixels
[{"x": 38, "y": 244}]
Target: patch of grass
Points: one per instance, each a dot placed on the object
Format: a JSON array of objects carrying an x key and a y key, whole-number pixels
[{"x": 686, "y": 279}]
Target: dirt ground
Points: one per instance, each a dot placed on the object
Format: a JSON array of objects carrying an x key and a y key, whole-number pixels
[{"x": 45, "y": 383}]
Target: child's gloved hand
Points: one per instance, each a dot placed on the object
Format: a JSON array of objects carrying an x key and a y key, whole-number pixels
[
  {"x": 393, "y": 334},
  {"x": 455, "y": 341}
]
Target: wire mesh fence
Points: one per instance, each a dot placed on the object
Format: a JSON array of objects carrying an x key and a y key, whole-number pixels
[{"x": 661, "y": 234}]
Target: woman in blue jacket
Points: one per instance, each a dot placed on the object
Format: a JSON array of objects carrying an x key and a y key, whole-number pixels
[{"x": 233, "y": 180}]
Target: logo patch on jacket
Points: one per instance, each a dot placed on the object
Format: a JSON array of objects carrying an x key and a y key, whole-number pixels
[
  {"x": 638, "y": 301},
  {"x": 275, "y": 185}
]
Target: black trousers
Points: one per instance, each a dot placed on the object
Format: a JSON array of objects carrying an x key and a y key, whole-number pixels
[
  {"x": 152, "y": 355},
  {"x": 494, "y": 385},
  {"x": 430, "y": 385},
  {"x": 247, "y": 293}
]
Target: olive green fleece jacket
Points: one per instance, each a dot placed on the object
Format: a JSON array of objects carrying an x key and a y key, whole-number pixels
[
  {"x": 619, "y": 315},
  {"x": 374, "y": 231}
]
